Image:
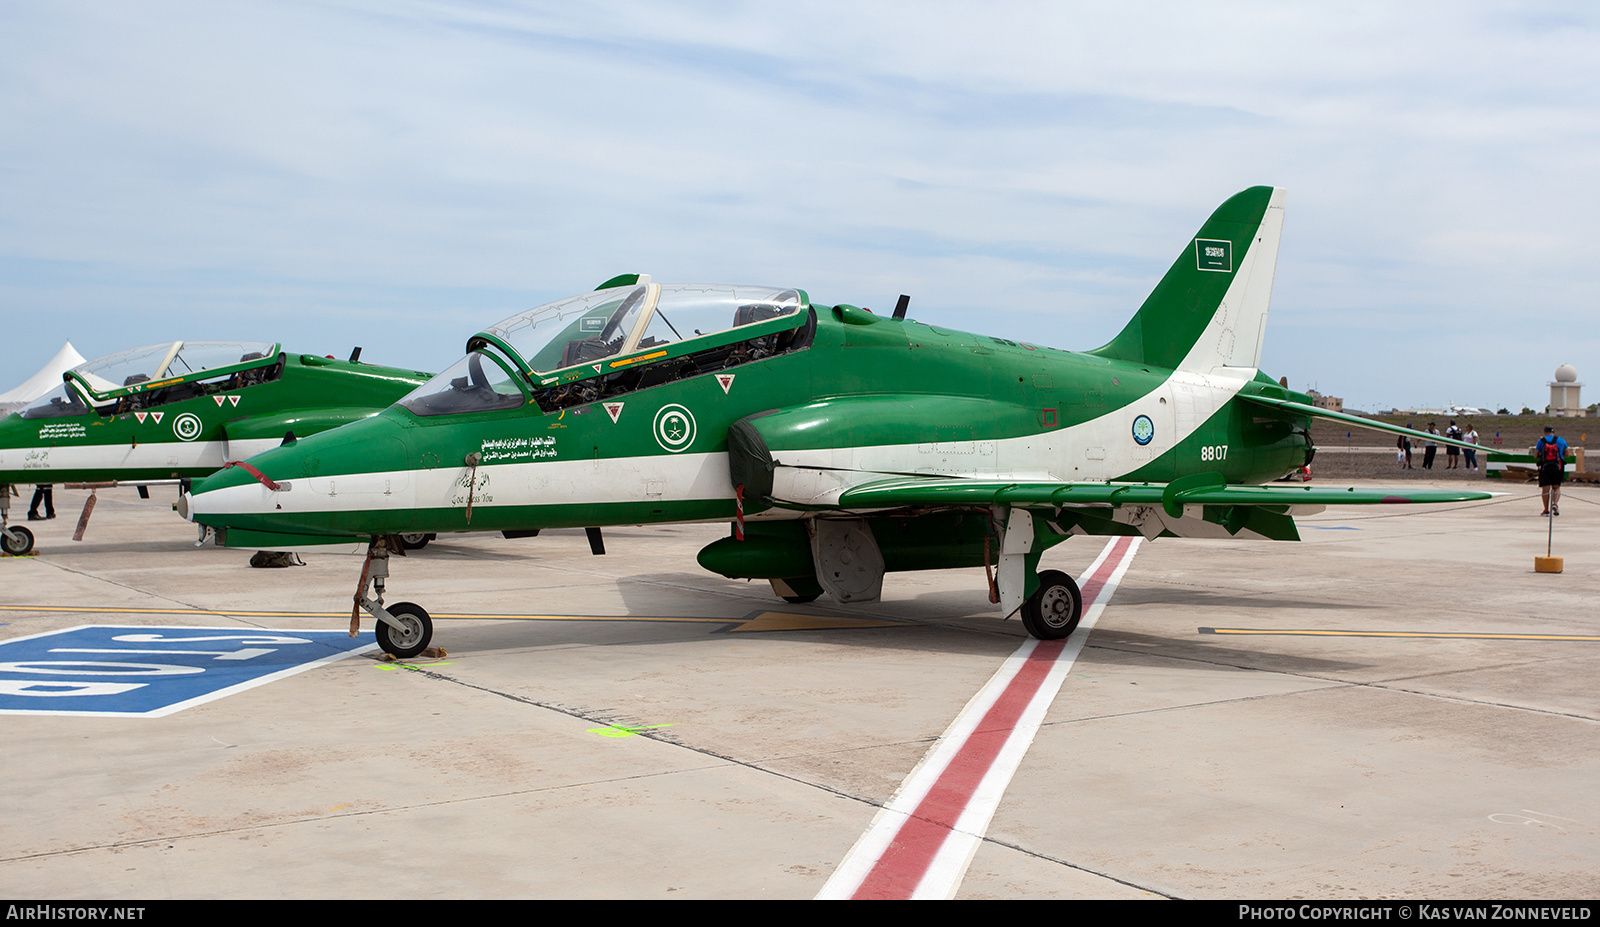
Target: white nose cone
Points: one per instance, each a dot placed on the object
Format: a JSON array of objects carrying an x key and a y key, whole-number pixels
[{"x": 246, "y": 499}]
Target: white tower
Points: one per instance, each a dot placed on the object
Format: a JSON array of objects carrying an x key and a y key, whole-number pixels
[{"x": 1564, "y": 399}]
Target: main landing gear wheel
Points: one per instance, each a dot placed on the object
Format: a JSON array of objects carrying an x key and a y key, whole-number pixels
[
  {"x": 415, "y": 541},
  {"x": 16, "y": 540},
  {"x": 1052, "y": 612},
  {"x": 413, "y": 638}
]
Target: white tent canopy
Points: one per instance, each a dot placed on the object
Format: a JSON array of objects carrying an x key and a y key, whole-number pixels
[{"x": 47, "y": 379}]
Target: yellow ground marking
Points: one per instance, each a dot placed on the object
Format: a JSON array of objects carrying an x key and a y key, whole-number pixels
[
  {"x": 755, "y": 621},
  {"x": 415, "y": 667},
  {"x": 1447, "y": 635},
  {"x": 620, "y": 730},
  {"x": 784, "y": 621}
]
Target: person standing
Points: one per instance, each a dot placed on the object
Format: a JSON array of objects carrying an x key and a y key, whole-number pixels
[
  {"x": 1452, "y": 454},
  {"x": 1403, "y": 443},
  {"x": 1471, "y": 437},
  {"x": 45, "y": 493},
  {"x": 1550, "y": 454},
  {"x": 1430, "y": 449}
]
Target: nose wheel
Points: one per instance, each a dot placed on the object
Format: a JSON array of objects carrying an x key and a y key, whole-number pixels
[
  {"x": 410, "y": 634},
  {"x": 16, "y": 540}
]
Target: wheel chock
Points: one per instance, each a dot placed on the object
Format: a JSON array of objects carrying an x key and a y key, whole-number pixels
[{"x": 433, "y": 653}]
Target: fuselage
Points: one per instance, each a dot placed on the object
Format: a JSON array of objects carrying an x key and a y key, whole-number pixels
[{"x": 859, "y": 397}]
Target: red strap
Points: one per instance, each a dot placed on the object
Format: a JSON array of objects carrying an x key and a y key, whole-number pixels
[
  {"x": 738, "y": 498},
  {"x": 253, "y": 472}
]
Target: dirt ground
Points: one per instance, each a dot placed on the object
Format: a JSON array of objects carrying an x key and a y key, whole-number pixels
[
  {"x": 1354, "y": 453},
  {"x": 1337, "y": 463}
]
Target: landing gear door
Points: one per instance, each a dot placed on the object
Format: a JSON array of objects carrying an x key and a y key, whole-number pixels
[{"x": 849, "y": 563}]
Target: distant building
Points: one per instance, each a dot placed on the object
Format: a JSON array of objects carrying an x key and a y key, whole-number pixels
[
  {"x": 1331, "y": 403},
  {"x": 1564, "y": 389}
]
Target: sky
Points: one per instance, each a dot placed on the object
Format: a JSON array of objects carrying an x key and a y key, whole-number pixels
[{"x": 400, "y": 175}]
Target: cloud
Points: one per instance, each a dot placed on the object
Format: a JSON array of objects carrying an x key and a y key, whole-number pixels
[{"x": 403, "y": 174}]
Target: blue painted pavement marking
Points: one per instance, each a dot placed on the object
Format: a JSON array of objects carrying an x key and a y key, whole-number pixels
[{"x": 148, "y": 671}]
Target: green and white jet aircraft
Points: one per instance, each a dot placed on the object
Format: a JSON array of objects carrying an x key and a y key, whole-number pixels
[
  {"x": 167, "y": 413},
  {"x": 842, "y": 444}
]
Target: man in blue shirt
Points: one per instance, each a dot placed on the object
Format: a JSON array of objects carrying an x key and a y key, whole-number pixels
[{"x": 1550, "y": 454}]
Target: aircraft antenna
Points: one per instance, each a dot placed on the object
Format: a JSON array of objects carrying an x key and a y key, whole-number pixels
[{"x": 901, "y": 306}]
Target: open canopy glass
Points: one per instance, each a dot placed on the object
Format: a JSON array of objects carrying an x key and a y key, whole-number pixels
[
  {"x": 165, "y": 361},
  {"x": 624, "y": 319},
  {"x": 93, "y": 382},
  {"x": 667, "y": 331}
]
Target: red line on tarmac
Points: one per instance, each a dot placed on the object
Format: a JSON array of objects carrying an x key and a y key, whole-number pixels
[
  {"x": 902, "y": 866},
  {"x": 900, "y": 869}
]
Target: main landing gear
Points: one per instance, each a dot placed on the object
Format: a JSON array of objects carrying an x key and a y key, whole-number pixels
[
  {"x": 403, "y": 630},
  {"x": 1055, "y": 608}
]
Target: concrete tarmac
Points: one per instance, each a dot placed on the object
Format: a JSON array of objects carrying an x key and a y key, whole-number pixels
[{"x": 619, "y": 729}]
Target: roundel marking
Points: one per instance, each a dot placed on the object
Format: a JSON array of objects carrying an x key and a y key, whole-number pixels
[
  {"x": 674, "y": 428},
  {"x": 187, "y": 426},
  {"x": 1143, "y": 429}
]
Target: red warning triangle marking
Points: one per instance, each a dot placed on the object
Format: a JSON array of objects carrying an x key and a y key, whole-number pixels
[
  {"x": 613, "y": 409},
  {"x": 140, "y": 416},
  {"x": 157, "y": 416},
  {"x": 234, "y": 400},
  {"x": 596, "y": 367},
  {"x": 218, "y": 400},
  {"x": 726, "y": 379}
]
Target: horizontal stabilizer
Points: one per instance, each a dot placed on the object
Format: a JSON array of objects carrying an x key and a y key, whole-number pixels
[{"x": 1357, "y": 421}]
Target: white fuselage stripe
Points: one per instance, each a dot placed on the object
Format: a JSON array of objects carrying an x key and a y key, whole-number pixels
[
  {"x": 153, "y": 455},
  {"x": 1097, "y": 450}
]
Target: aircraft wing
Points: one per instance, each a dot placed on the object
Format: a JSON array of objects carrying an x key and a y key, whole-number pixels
[
  {"x": 1356, "y": 420},
  {"x": 1197, "y": 506},
  {"x": 913, "y": 491}
]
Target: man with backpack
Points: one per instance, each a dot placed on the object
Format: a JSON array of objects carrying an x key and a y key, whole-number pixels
[{"x": 1550, "y": 455}]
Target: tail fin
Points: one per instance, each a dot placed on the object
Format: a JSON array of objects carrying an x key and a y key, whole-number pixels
[{"x": 1211, "y": 307}]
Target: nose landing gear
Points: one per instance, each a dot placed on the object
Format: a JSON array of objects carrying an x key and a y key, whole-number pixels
[
  {"x": 14, "y": 539},
  {"x": 404, "y": 630}
]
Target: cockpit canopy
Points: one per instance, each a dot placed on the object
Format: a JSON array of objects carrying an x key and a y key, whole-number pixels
[
  {"x": 624, "y": 319},
  {"x": 616, "y": 339},
  {"x": 150, "y": 367},
  {"x": 171, "y": 360}
]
